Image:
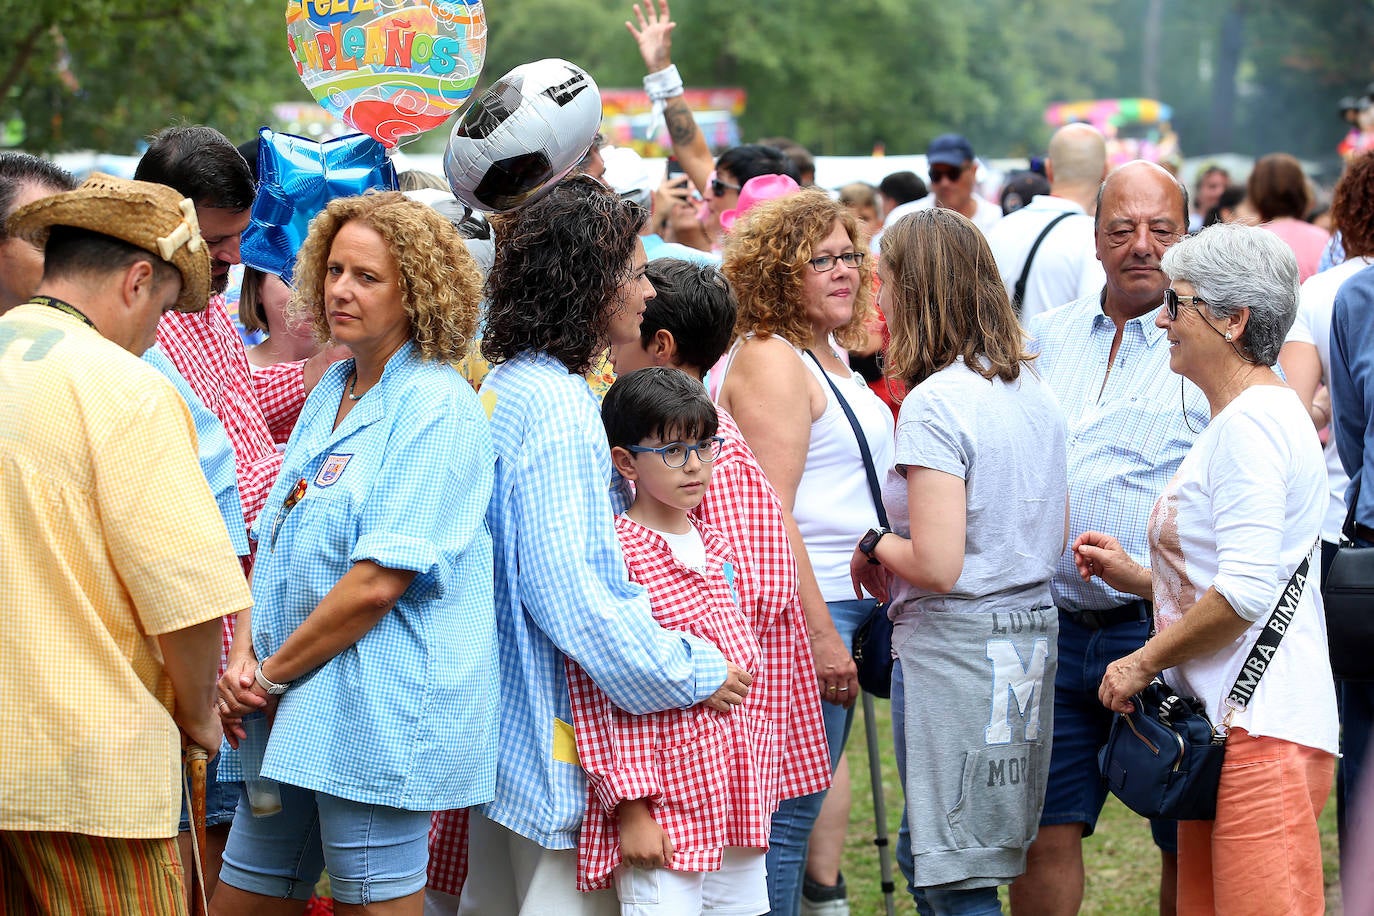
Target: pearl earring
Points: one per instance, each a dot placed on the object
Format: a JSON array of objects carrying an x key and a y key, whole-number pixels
[{"x": 1228, "y": 335}]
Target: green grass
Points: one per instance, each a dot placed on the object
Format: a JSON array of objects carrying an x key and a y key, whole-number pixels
[{"x": 1120, "y": 859}]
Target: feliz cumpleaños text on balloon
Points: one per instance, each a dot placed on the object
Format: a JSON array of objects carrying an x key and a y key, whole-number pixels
[
  {"x": 392, "y": 43},
  {"x": 389, "y": 68}
]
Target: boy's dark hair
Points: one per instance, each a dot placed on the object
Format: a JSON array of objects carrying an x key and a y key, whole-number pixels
[
  {"x": 750, "y": 160},
  {"x": 657, "y": 403},
  {"x": 202, "y": 164},
  {"x": 559, "y": 262},
  {"x": 696, "y": 304}
]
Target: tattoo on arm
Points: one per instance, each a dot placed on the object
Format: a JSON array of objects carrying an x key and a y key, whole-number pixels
[{"x": 682, "y": 127}]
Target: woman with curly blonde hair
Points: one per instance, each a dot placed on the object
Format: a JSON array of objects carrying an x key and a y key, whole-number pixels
[
  {"x": 800, "y": 271},
  {"x": 370, "y": 649}
]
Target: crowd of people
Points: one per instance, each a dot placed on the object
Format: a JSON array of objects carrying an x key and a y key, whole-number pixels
[{"x": 524, "y": 571}]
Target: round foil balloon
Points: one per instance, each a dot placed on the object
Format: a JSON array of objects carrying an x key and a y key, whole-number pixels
[
  {"x": 522, "y": 135},
  {"x": 389, "y": 68}
]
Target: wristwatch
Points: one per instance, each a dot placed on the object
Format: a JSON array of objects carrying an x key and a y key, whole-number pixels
[
  {"x": 869, "y": 542},
  {"x": 270, "y": 686}
]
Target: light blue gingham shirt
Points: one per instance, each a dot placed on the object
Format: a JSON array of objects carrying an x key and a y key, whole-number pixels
[
  {"x": 407, "y": 716},
  {"x": 562, "y": 592},
  {"x": 1126, "y": 438},
  {"x": 213, "y": 448}
]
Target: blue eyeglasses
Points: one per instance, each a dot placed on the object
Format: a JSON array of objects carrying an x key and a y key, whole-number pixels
[{"x": 675, "y": 454}]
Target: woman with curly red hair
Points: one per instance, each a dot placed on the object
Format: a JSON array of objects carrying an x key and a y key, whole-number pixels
[{"x": 799, "y": 268}]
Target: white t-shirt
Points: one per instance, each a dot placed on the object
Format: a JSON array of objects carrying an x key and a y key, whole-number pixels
[
  {"x": 1241, "y": 513},
  {"x": 1065, "y": 266},
  {"x": 688, "y": 549},
  {"x": 1006, "y": 441},
  {"x": 1313, "y": 326}
]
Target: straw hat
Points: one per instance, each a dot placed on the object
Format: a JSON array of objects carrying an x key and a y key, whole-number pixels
[{"x": 150, "y": 216}]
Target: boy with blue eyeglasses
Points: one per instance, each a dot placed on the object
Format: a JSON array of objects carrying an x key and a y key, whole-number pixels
[{"x": 671, "y": 793}]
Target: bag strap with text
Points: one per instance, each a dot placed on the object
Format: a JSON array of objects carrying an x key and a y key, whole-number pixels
[{"x": 1263, "y": 650}]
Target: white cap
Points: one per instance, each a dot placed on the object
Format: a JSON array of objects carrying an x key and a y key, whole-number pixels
[{"x": 627, "y": 175}]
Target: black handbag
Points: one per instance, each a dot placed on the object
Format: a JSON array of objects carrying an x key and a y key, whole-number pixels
[
  {"x": 872, "y": 653},
  {"x": 872, "y": 647},
  {"x": 1348, "y": 594},
  {"x": 1163, "y": 759}
]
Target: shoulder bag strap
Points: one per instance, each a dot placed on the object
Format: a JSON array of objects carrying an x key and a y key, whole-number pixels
[
  {"x": 1019, "y": 292},
  {"x": 1280, "y": 618},
  {"x": 874, "y": 489}
]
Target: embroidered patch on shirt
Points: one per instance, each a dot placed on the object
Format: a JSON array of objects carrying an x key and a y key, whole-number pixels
[{"x": 331, "y": 470}]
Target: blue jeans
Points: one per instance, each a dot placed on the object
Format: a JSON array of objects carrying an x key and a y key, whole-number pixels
[
  {"x": 1075, "y": 793},
  {"x": 1356, "y": 703},
  {"x": 792, "y": 822},
  {"x": 374, "y": 853},
  {"x": 930, "y": 901}
]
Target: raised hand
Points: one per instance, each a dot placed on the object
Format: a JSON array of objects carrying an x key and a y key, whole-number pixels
[{"x": 654, "y": 34}]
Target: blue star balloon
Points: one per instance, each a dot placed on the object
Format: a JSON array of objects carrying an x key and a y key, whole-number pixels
[{"x": 297, "y": 177}]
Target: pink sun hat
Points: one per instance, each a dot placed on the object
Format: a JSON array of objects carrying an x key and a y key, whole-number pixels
[{"x": 755, "y": 191}]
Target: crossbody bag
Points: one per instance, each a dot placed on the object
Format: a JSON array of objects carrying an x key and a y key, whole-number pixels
[
  {"x": 1163, "y": 759},
  {"x": 872, "y": 648}
]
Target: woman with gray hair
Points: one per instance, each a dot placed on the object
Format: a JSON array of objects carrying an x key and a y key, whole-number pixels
[{"x": 1230, "y": 529}]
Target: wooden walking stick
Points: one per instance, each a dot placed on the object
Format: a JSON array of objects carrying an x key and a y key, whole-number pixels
[{"x": 196, "y": 758}]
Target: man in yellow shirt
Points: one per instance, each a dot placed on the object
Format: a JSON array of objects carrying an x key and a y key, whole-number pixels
[{"x": 116, "y": 566}]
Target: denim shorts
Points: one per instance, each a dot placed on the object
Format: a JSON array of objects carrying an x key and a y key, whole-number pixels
[
  {"x": 373, "y": 853},
  {"x": 221, "y": 799},
  {"x": 1076, "y": 791}
]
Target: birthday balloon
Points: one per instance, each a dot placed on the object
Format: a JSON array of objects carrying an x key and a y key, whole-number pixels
[
  {"x": 297, "y": 177},
  {"x": 389, "y": 68},
  {"x": 524, "y": 133}
]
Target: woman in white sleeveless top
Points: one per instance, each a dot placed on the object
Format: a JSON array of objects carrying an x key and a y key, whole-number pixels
[{"x": 803, "y": 281}]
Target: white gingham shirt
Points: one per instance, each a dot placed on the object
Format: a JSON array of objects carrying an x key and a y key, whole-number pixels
[
  {"x": 1125, "y": 443},
  {"x": 562, "y": 592},
  {"x": 407, "y": 716}
]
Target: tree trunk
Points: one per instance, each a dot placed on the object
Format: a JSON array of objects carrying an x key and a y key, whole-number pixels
[
  {"x": 22, "y": 52},
  {"x": 1149, "y": 57},
  {"x": 1220, "y": 136}
]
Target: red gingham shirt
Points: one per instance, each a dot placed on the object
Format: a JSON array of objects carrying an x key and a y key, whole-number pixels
[
  {"x": 208, "y": 353},
  {"x": 703, "y": 771},
  {"x": 741, "y": 504},
  {"x": 448, "y": 851}
]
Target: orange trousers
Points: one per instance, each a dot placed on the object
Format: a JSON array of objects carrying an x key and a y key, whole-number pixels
[{"x": 1262, "y": 855}]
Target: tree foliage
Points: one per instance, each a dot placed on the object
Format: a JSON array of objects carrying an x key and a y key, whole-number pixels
[
  {"x": 103, "y": 74},
  {"x": 837, "y": 77}
]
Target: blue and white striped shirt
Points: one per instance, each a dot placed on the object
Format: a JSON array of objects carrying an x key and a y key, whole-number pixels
[
  {"x": 214, "y": 451},
  {"x": 407, "y": 716},
  {"x": 562, "y": 592},
  {"x": 1127, "y": 432}
]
